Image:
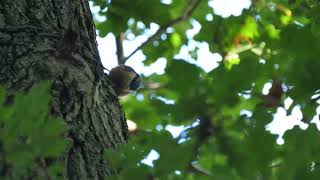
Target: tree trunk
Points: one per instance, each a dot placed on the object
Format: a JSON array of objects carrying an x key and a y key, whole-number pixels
[{"x": 55, "y": 40}]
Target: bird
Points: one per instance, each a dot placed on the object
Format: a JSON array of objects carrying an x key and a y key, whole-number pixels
[{"x": 125, "y": 80}]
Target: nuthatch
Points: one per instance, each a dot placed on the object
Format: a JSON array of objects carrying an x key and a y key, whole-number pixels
[{"x": 125, "y": 80}]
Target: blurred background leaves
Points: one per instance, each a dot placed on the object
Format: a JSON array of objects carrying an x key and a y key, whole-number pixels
[
  {"x": 199, "y": 123},
  {"x": 238, "y": 97}
]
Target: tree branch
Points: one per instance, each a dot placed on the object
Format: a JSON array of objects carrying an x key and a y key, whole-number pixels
[
  {"x": 119, "y": 44},
  {"x": 186, "y": 14}
]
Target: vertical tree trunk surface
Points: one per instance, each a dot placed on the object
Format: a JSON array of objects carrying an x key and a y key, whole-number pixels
[{"x": 55, "y": 40}]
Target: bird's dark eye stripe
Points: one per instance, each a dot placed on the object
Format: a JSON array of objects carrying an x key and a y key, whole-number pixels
[
  {"x": 135, "y": 79},
  {"x": 135, "y": 83}
]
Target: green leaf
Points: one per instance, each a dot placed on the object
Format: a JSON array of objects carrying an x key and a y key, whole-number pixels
[
  {"x": 175, "y": 40},
  {"x": 250, "y": 28}
]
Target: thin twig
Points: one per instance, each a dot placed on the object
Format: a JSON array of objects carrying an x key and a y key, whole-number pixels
[
  {"x": 242, "y": 48},
  {"x": 186, "y": 14}
]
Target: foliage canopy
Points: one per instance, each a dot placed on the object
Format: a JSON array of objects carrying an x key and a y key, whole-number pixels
[{"x": 273, "y": 42}]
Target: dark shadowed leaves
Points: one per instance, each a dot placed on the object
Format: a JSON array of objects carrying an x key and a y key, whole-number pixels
[{"x": 29, "y": 136}]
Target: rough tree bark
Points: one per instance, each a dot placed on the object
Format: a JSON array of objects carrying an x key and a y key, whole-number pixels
[{"x": 55, "y": 40}]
